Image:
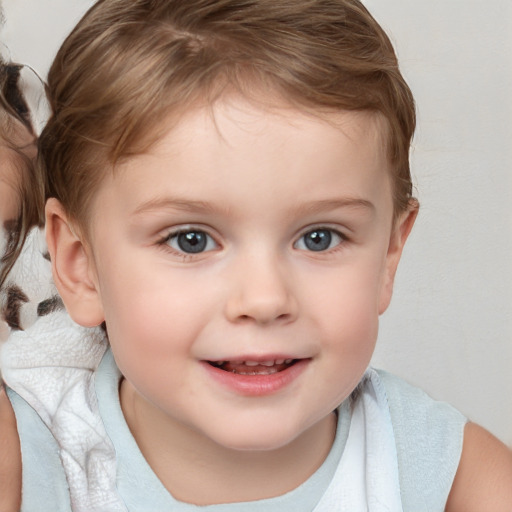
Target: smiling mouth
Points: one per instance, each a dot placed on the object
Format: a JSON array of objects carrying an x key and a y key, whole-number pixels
[{"x": 254, "y": 367}]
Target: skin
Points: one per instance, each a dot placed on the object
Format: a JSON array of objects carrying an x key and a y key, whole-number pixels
[
  {"x": 19, "y": 137},
  {"x": 10, "y": 457},
  {"x": 9, "y": 205},
  {"x": 256, "y": 182},
  {"x": 259, "y": 171},
  {"x": 11, "y": 165}
]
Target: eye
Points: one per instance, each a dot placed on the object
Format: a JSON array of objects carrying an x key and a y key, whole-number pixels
[
  {"x": 191, "y": 241},
  {"x": 321, "y": 239}
]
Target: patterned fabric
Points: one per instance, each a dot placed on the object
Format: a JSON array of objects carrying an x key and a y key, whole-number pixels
[
  {"x": 28, "y": 292},
  {"x": 22, "y": 298},
  {"x": 50, "y": 362}
]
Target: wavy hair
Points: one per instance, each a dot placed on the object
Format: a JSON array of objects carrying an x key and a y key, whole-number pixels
[
  {"x": 14, "y": 118},
  {"x": 130, "y": 65}
]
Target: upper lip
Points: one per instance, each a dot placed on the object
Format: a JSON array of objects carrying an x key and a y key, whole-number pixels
[{"x": 259, "y": 359}]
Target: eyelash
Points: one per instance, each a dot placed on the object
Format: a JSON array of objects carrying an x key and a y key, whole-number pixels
[
  {"x": 165, "y": 242},
  {"x": 333, "y": 236}
]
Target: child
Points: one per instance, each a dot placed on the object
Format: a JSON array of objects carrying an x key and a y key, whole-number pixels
[
  {"x": 18, "y": 182},
  {"x": 229, "y": 195},
  {"x": 29, "y": 302},
  {"x": 18, "y": 212},
  {"x": 24, "y": 274}
]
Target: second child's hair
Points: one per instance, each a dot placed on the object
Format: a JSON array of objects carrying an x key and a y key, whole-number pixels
[
  {"x": 130, "y": 65},
  {"x": 15, "y": 120}
]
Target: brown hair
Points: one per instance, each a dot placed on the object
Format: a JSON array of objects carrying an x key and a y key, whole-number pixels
[
  {"x": 128, "y": 65},
  {"x": 14, "y": 120}
]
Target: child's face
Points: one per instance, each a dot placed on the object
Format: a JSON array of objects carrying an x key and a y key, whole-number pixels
[
  {"x": 11, "y": 167},
  {"x": 251, "y": 236},
  {"x": 9, "y": 207}
]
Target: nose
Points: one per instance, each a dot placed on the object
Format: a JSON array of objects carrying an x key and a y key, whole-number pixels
[{"x": 261, "y": 291}]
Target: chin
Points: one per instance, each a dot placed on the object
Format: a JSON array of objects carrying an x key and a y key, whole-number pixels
[{"x": 267, "y": 438}]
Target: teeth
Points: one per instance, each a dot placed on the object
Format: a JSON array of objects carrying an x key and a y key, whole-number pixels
[
  {"x": 268, "y": 364},
  {"x": 265, "y": 363},
  {"x": 265, "y": 372}
]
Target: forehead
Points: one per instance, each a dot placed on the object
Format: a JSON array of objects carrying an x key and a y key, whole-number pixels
[
  {"x": 237, "y": 149},
  {"x": 16, "y": 145},
  {"x": 234, "y": 120}
]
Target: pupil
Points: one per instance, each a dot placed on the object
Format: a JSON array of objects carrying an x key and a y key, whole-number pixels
[
  {"x": 193, "y": 242},
  {"x": 319, "y": 240}
]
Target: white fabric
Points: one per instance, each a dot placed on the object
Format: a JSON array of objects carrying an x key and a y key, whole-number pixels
[
  {"x": 51, "y": 365},
  {"x": 31, "y": 273},
  {"x": 367, "y": 476}
]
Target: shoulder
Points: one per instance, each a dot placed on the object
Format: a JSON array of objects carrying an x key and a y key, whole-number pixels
[
  {"x": 441, "y": 454},
  {"x": 429, "y": 438},
  {"x": 416, "y": 415},
  {"x": 10, "y": 456},
  {"x": 484, "y": 477},
  {"x": 38, "y": 465}
]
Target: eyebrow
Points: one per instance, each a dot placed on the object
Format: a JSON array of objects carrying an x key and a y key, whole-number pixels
[
  {"x": 326, "y": 205},
  {"x": 193, "y": 206},
  {"x": 175, "y": 203}
]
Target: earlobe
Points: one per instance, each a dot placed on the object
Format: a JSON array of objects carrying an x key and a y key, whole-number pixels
[
  {"x": 72, "y": 268},
  {"x": 402, "y": 228}
]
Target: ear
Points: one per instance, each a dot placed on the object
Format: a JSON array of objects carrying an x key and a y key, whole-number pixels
[
  {"x": 399, "y": 235},
  {"x": 73, "y": 267}
]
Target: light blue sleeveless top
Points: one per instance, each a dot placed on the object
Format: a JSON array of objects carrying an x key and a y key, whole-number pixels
[{"x": 428, "y": 437}]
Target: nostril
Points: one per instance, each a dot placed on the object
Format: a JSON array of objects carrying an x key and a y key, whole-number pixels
[
  {"x": 261, "y": 318},
  {"x": 261, "y": 304}
]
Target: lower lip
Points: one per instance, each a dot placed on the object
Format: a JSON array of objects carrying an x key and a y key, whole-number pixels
[{"x": 257, "y": 385}]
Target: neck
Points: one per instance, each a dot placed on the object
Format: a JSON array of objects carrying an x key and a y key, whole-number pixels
[{"x": 181, "y": 457}]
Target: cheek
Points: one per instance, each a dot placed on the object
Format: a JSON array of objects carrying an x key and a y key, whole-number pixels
[
  {"x": 348, "y": 313},
  {"x": 156, "y": 311},
  {"x": 351, "y": 294},
  {"x": 4, "y": 330},
  {"x": 9, "y": 202}
]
